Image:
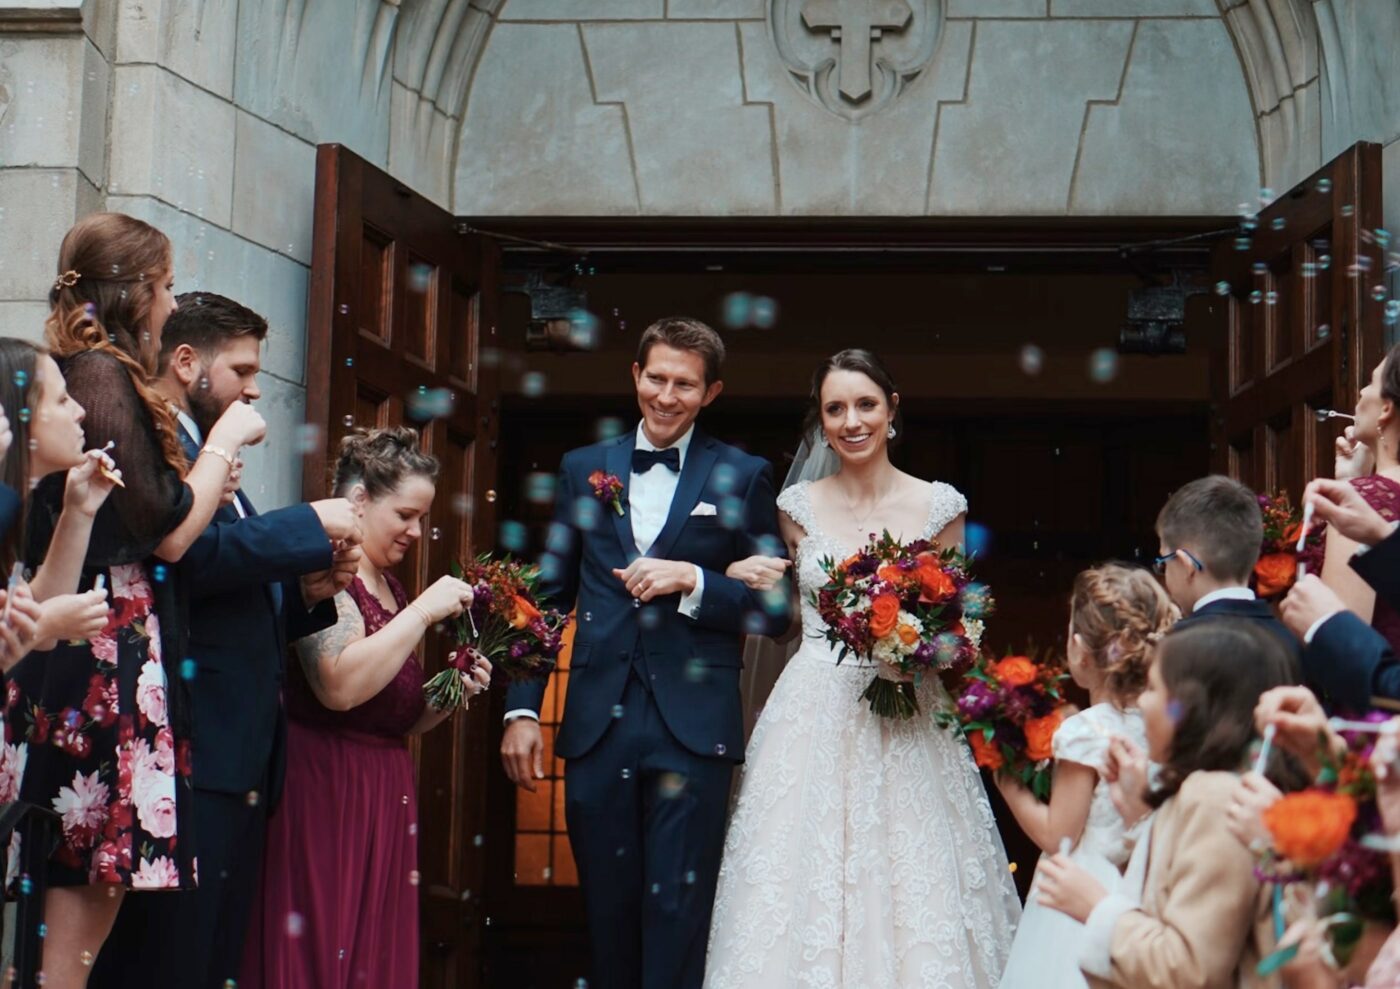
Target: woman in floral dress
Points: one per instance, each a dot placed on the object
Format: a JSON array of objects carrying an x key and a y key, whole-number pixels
[{"x": 106, "y": 720}]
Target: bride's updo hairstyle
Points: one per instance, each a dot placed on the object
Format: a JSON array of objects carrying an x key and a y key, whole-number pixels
[
  {"x": 1120, "y": 613},
  {"x": 381, "y": 460},
  {"x": 860, "y": 361}
]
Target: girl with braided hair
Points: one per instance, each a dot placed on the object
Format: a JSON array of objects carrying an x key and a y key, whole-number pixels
[
  {"x": 106, "y": 718},
  {"x": 1117, "y": 614}
]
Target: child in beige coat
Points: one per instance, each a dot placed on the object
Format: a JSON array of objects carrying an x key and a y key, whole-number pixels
[{"x": 1189, "y": 913}]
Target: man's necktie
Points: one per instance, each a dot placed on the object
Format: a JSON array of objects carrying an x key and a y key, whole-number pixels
[{"x": 645, "y": 460}]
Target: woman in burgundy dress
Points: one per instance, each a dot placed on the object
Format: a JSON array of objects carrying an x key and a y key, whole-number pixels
[
  {"x": 1368, "y": 456},
  {"x": 340, "y": 882}
]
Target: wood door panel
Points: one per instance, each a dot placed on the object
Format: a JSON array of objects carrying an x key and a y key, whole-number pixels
[
  {"x": 398, "y": 301},
  {"x": 1301, "y": 333}
]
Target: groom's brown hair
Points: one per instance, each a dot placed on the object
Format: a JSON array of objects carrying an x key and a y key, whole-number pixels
[{"x": 685, "y": 333}]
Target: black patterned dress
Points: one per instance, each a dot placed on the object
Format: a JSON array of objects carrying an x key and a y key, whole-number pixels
[{"x": 99, "y": 730}]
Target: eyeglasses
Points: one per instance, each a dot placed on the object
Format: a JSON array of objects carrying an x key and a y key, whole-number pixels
[{"x": 1159, "y": 563}]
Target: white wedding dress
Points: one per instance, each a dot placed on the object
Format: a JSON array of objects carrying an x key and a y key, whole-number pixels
[{"x": 862, "y": 853}]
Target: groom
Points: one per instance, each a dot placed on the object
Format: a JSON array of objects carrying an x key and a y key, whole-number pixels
[{"x": 653, "y": 726}]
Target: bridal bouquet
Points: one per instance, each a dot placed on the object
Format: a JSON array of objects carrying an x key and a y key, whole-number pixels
[
  {"x": 1320, "y": 839},
  {"x": 1277, "y": 568},
  {"x": 505, "y": 624},
  {"x": 1009, "y": 711},
  {"x": 910, "y": 607}
]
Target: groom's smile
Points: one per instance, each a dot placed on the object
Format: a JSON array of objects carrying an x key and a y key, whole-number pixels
[{"x": 671, "y": 391}]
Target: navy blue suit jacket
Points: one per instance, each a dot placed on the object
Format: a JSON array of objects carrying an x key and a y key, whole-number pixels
[
  {"x": 1348, "y": 661},
  {"x": 1256, "y": 611},
  {"x": 245, "y": 603},
  {"x": 692, "y": 665}
]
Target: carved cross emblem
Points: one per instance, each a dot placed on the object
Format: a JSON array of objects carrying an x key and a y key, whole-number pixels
[{"x": 855, "y": 24}]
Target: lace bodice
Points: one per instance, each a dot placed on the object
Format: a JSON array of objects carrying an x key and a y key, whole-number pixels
[
  {"x": 945, "y": 504},
  {"x": 1084, "y": 738}
]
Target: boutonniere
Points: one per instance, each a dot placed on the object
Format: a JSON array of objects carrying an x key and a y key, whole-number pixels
[{"x": 607, "y": 489}]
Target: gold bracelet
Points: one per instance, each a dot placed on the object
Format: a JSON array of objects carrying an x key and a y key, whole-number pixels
[
  {"x": 219, "y": 452},
  {"x": 422, "y": 613}
]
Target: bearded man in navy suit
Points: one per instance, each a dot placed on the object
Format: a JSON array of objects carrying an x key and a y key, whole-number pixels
[
  {"x": 644, "y": 530},
  {"x": 254, "y": 581}
]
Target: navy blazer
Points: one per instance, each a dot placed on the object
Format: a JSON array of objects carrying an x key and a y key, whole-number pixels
[
  {"x": 1348, "y": 662},
  {"x": 242, "y": 576},
  {"x": 1256, "y": 611},
  {"x": 692, "y": 665}
]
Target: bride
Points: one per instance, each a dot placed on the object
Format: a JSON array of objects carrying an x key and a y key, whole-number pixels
[{"x": 862, "y": 853}]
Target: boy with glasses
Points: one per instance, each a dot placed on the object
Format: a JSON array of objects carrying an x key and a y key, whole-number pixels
[{"x": 1210, "y": 532}]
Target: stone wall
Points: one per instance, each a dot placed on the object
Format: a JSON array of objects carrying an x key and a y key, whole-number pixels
[{"x": 1026, "y": 107}]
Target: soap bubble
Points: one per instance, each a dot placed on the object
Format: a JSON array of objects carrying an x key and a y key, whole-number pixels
[
  {"x": 539, "y": 487},
  {"x": 1324, "y": 185},
  {"x": 1032, "y": 359},
  {"x": 296, "y": 924},
  {"x": 429, "y": 403},
  {"x": 587, "y": 513},
  {"x": 308, "y": 437},
  {"x": 1222, "y": 288},
  {"x": 607, "y": 428},
  {"x": 764, "y": 312},
  {"x": 420, "y": 277},
  {"x": 513, "y": 537},
  {"x": 1103, "y": 365},
  {"x": 583, "y": 329},
  {"x": 188, "y": 669},
  {"x": 736, "y": 309},
  {"x": 533, "y": 384}
]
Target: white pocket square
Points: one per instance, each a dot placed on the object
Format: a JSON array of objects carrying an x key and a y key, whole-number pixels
[{"x": 704, "y": 508}]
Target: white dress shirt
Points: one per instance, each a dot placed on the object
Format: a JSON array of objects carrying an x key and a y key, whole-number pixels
[
  {"x": 649, "y": 498},
  {"x": 1223, "y": 594},
  {"x": 198, "y": 437}
]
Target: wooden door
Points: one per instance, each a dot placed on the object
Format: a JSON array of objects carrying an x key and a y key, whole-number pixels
[
  {"x": 401, "y": 308},
  {"x": 1303, "y": 329}
]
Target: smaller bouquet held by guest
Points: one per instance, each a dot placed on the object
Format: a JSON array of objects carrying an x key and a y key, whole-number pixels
[
  {"x": 912, "y": 608},
  {"x": 1009, "y": 710},
  {"x": 1320, "y": 846},
  {"x": 1280, "y": 554},
  {"x": 504, "y": 624}
]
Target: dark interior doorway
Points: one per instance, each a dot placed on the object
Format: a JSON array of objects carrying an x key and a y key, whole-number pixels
[{"x": 1006, "y": 347}]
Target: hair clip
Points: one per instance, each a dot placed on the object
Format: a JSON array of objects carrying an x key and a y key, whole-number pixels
[
  {"x": 66, "y": 280},
  {"x": 1155, "y": 637}
]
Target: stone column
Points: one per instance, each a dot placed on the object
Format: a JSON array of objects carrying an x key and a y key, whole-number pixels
[{"x": 55, "y": 77}]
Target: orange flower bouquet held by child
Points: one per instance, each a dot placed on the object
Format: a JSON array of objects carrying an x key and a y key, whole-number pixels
[
  {"x": 1116, "y": 615},
  {"x": 1190, "y": 909}
]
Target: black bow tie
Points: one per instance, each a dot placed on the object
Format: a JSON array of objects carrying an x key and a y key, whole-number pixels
[{"x": 645, "y": 460}]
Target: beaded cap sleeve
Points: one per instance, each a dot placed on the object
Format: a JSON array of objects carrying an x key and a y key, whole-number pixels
[{"x": 134, "y": 519}]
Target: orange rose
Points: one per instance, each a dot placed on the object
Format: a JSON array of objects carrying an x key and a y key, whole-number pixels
[
  {"x": 1015, "y": 671},
  {"x": 1275, "y": 573},
  {"x": 985, "y": 753},
  {"x": 525, "y": 612},
  {"x": 907, "y": 635},
  {"x": 1040, "y": 732},
  {"x": 935, "y": 586},
  {"x": 1311, "y": 826},
  {"x": 884, "y": 615}
]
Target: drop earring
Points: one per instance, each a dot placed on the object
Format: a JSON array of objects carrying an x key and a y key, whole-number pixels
[
  {"x": 826, "y": 441},
  {"x": 890, "y": 433}
]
